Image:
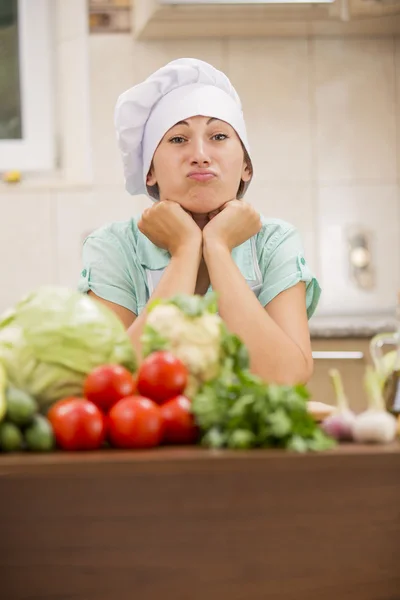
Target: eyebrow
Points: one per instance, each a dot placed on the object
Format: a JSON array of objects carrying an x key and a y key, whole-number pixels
[{"x": 186, "y": 123}]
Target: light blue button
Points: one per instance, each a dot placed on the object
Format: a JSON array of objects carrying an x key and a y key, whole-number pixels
[
  {"x": 84, "y": 273},
  {"x": 303, "y": 260}
]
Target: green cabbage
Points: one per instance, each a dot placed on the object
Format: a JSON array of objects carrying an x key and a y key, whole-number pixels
[{"x": 54, "y": 337}]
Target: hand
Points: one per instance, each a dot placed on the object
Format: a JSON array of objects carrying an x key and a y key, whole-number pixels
[
  {"x": 168, "y": 226},
  {"x": 235, "y": 223}
]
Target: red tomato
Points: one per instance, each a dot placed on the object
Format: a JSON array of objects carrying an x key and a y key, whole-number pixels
[
  {"x": 161, "y": 376},
  {"x": 107, "y": 384},
  {"x": 78, "y": 424},
  {"x": 135, "y": 422},
  {"x": 179, "y": 423}
]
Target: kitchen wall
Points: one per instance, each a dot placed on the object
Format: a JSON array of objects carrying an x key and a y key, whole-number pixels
[{"x": 324, "y": 124}]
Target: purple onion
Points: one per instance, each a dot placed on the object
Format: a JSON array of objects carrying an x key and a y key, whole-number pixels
[{"x": 340, "y": 425}]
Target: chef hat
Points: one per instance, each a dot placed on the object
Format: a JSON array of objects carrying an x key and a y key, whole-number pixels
[{"x": 183, "y": 88}]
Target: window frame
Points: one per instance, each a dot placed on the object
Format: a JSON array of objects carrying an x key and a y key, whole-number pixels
[{"x": 36, "y": 150}]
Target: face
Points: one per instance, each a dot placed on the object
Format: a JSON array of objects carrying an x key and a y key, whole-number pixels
[{"x": 199, "y": 163}]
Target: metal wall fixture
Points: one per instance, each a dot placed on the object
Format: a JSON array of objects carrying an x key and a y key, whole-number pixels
[
  {"x": 337, "y": 355},
  {"x": 360, "y": 261}
]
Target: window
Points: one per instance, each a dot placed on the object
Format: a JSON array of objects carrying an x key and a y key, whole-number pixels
[
  {"x": 26, "y": 115},
  {"x": 10, "y": 107}
]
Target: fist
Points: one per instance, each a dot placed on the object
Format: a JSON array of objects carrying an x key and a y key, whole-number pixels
[
  {"x": 168, "y": 226},
  {"x": 234, "y": 224}
]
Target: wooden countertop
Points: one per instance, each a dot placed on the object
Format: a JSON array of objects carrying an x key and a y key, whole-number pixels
[
  {"x": 60, "y": 462},
  {"x": 190, "y": 524}
]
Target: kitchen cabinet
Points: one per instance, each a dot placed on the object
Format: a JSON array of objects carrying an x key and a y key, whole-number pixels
[
  {"x": 110, "y": 16},
  {"x": 160, "y": 19},
  {"x": 190, "y": 524},
  {"x": 350, "y": 356}
]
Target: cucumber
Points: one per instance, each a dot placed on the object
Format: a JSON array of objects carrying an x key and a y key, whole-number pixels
[
  {"x": 11, "y": 439},
  {"x": 3, "y": 385},
  {"x": 39, "y": 436},
  {"x": 21, "y": 407}
]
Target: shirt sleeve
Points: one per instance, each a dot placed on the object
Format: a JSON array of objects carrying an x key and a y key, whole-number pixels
[
  {"x": 283, "y": 265},
  {"x": 106, "y": 272}
]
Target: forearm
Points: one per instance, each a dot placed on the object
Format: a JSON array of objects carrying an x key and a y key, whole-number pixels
[
  {"x": 274, "y": 356},
  {"x": 179, "y": 278}
]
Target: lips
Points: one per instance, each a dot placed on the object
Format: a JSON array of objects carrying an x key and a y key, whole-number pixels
[{"x": 202, "y": 176}]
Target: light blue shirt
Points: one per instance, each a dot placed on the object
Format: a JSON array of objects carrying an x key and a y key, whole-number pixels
[{"x": 122, "y": 265}]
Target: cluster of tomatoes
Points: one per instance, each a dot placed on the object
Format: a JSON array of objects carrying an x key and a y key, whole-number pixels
[{"x": 128, "y": 411}]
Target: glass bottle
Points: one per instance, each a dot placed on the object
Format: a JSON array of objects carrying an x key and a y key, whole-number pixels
[{"x": 391, "y": 389}]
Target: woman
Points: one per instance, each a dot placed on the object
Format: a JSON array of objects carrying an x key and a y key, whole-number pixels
[{"x": 183, "y": 141}]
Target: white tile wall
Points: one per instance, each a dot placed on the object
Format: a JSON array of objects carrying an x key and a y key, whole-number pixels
[
  {"x": 376, "y": 209},
  {"x": 75, "y": 155},
  {"x": 111, "y": 73},
  {"x": 70, "y": 19},
  {"x": 355, "y": 104},
  {"x": 397, "y": 68},
  {"x": 271, "y": 77},
  {"x": 79, "y": 214},
  {"x": 27, "y": 239},
  {"x": 71, "y": 63},
  {"x": 292, "y": 203},
  {"x": 149, "y": 56}
]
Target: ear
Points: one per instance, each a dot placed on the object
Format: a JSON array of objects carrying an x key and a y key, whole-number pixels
[
  {"x": 151, "y": 178},
  {"x": 246, "y": 171}
]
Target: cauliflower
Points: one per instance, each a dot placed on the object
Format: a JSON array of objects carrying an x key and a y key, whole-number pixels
[{"x": 190, "y": 328}]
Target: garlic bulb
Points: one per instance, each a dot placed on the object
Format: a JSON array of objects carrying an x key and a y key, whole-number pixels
[
  {"x": 375, "y": 425},
  {"x": 339, "y": 425}
]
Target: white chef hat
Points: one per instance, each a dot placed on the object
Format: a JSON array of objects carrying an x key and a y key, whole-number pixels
[{"x": 183, "y": 88}]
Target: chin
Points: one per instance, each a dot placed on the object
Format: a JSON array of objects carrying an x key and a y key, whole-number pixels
[{"x": 203, "y": 200}]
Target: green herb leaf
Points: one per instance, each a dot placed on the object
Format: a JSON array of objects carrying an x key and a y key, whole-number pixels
[
  {"x": 208, "y": 409},
  {"x": 214, "y": 438},
  {"x": 321, "y": 442},
  {"x": 297, "y": 444},
  {"x": 241, "y": 439},
  {"x": 280, "y": 423}
]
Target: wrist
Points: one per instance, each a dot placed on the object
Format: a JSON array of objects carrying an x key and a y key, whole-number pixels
[
  {"x": 213, "y": 247},
  {"x": 188, "y": 252}
]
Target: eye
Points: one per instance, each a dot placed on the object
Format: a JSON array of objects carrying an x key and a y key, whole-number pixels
[
  {"x": 219, "y": 137},
  {"x": 177, "y": 139}
]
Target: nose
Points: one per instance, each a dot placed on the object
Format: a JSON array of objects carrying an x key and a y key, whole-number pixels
[{"x": 200, "y": 155}]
